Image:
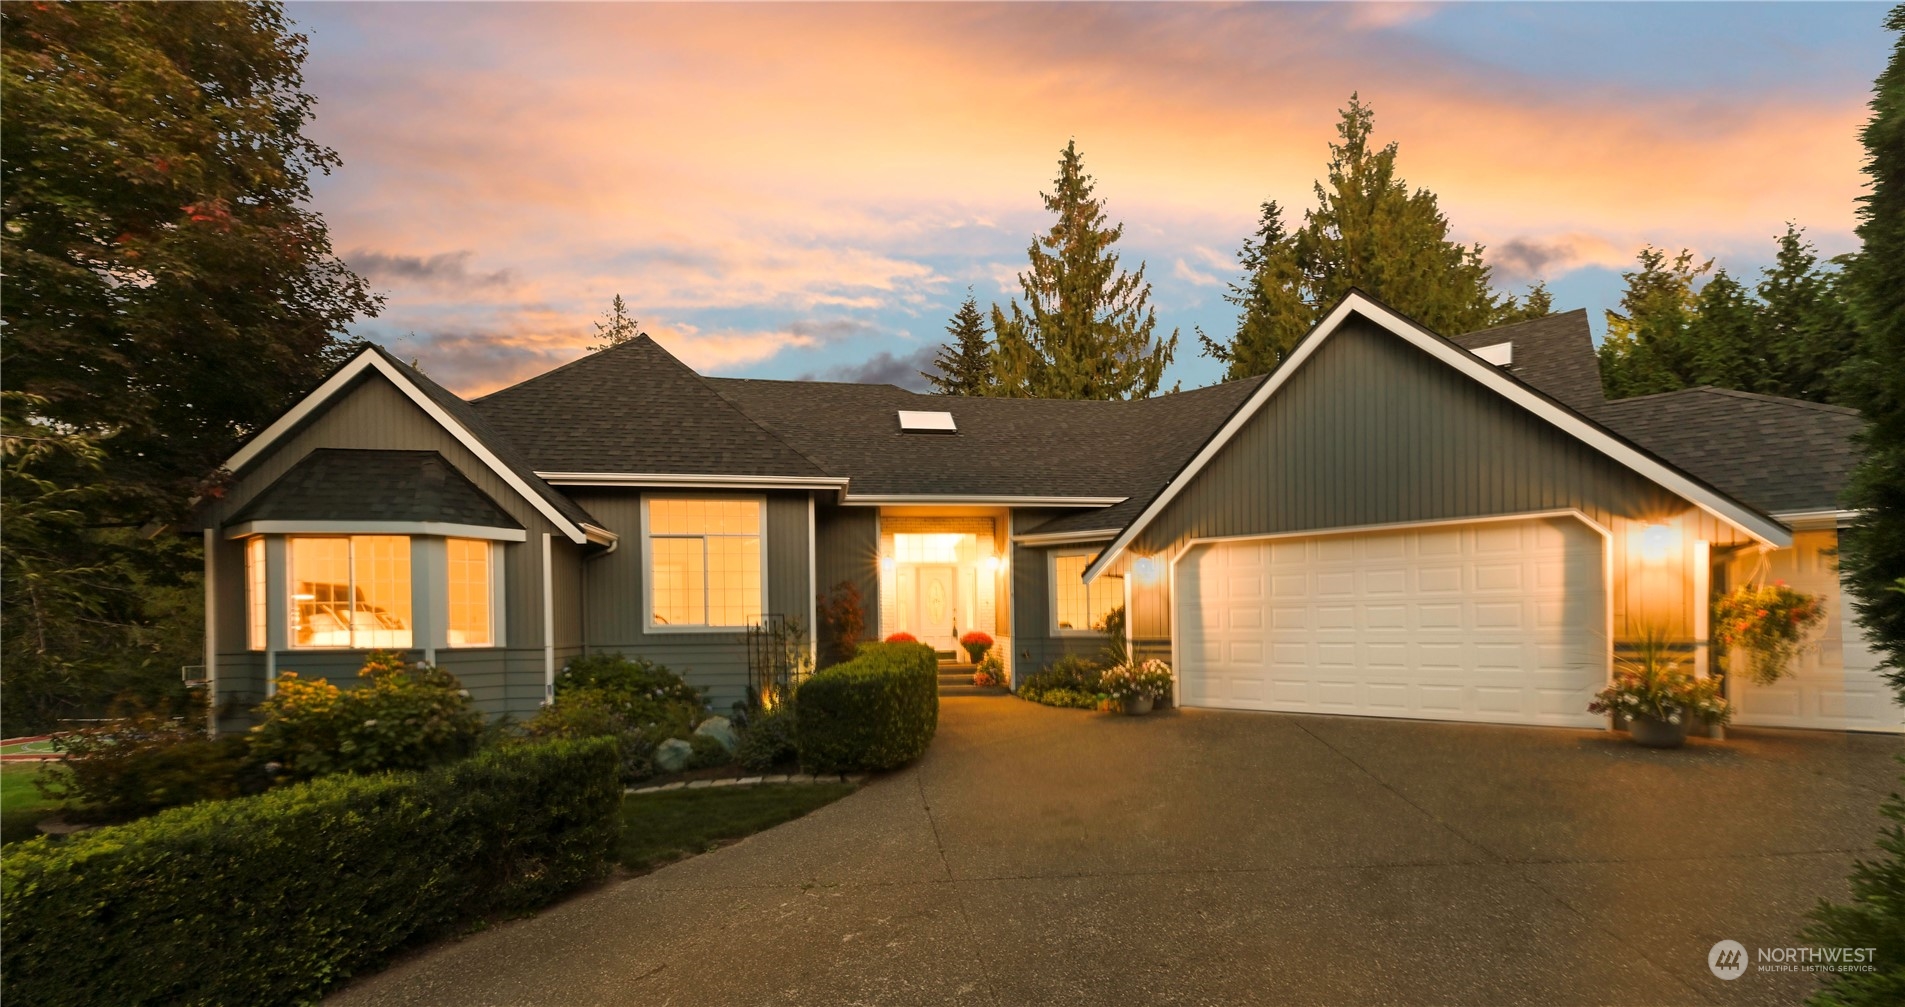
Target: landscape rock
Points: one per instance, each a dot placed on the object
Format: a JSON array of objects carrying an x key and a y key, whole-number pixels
[
  {"x": 671, "y": 756},
  {"x": 720, "y": 730}
]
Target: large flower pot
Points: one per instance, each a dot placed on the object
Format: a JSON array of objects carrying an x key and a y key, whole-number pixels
[
  {"x": 1138, "y": 706},
  {"x": 976, "y": 651},
  {"x": 1657, "y": 733}
]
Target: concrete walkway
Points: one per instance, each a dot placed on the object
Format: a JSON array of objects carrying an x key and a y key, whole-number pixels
[{"x": 1041, "y": 856}]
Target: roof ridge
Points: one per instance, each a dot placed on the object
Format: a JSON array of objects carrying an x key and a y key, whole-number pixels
[
  {"x": 586, "y": 356},
  {"x": 1784, "y": 400},
  {"x": 1549, "y": 317},
  {"x": 750, "y": 417}
]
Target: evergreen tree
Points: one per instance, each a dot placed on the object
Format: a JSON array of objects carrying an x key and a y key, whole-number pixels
[
  {"x": 964, "y": 365},
  {"x": 1872, "y": 556},
  {"x": 1650, "y": 347},
  {"x": 1726, "y": 349},
  {"x": 1085, "y": 329},
  {"x": 1804, "y": 327},
  {"x": 1270, "y": 293},
  {"x": 617, "y": 326},
  {"x": 1537, "y": 303}
]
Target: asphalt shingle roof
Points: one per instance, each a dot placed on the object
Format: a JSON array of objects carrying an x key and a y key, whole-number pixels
[
  {"x": 1554, "y": 353},
  {"x": 1780, "y": 455},
  {"x": 1004, "y": 447},
  {"x": 635, "y": 408},
  {"x": 338, "y": 484}
]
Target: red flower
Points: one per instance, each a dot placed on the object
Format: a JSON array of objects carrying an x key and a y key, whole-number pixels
[
  {"x": 975, "y": 639},
  {"x": 902, "y": 638}
]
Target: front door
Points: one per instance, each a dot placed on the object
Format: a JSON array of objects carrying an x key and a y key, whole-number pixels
[{"x": 936, "y": 606}]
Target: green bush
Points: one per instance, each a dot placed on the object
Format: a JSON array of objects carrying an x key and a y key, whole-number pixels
[
  {"x": 768, "y": 741},
  {"x": 273, "y": 899},
  {"x": 1874, "y": 919},
  {"x": 876, "y": 711},
  {"x": 647, "y": 695},
  {"x": 597, "y": 713},
  {"x": 1068, "y": 681},
  {"x": 403, "y": 717},
  {"x": 708, "y": 753},
  {"x": 144, "y": 760}
]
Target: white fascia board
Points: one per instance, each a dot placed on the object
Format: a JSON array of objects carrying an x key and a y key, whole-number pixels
[
  {"x": 1063, "y": 537},
  {"x": 434, "y": 528},
  {"x": 1815, "y": 520},
  {"x": 672, "y": 480},
  {"x": 1760, "y": 527},
  {"x": 852, "y": 500},
  {"x": 369, "y": 359}
]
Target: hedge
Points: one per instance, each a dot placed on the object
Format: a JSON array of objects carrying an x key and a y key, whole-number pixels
[
  {"x": 273, "y": 899},
  {"x": 876, "y": 711}
]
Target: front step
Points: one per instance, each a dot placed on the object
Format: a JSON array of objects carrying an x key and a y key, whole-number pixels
[{"x": 970, "y": 689}]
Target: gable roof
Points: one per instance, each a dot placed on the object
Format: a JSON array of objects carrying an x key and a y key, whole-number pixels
[
  {"x": 1569, "y": 420},
  {"x": 1554, "y": 353},
  {"x": 1784, "y": 456},
  {"x": 341, "y": 484},
  {"x": 1090, "y": 453},
  {"x": 634, "y": 409},
  {"x": 454, "y": 415}
]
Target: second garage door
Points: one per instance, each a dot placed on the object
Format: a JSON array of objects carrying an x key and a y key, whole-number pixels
[{"x": 1500, "y": 621}]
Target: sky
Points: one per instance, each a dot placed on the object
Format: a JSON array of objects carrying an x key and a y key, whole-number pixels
[{"x": 809, "y": 191}]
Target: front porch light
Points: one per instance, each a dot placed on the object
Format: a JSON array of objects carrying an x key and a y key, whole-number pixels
[
  {"x": 1656, "y": 540},
  {"x": 1145, "y": 569},
  {"x": 990, "y": 564}
]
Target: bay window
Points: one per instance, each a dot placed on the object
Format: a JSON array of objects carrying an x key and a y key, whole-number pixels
[
  {"x": 471, "y": 601},
  {"x": 257, "y": 611},
  {"x": 350, "y": 591},
  {"x": 704, "y": 562},
  {"x": 1078, "y": 607}
]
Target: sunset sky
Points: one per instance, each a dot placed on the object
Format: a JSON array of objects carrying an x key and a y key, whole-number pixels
[{"x": 792, "y": 191}]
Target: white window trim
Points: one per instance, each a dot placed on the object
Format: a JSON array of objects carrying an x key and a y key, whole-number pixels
[
  {"x": 414, "y": 529},
  {"x": 1051, "y": 593},
  {"x": 648, "y": 565},
  {"x": 496, "y": 608},
  {"x": 429, "y": 630}
]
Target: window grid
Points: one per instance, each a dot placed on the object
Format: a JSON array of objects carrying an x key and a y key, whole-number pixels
[
  {"x": 1083, "y": 607},
  {"x": 350, "y": 592},
  {"x": 705, "y": 562},
  {"x": 256, "y": 602},
  {"x": 469, "y": 593}
]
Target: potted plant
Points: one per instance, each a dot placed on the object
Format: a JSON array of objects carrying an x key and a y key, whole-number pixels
[
  {"x": 902, "y": 637},
  {"x": 1658, "y": 698},
  {"x": 1137, "y": 688},
  {"x": 991, "y": 671},
  {"x": 976, "y": 645},
  {"x": 1768, "y": 624}
]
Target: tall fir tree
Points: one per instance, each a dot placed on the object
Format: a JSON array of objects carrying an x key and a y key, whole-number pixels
[
  {"x": 1726, "y": 348},
  {"x": 1649, "y": 345},
  {"x": 1872, "y": 555},
  {"x": 617, "y": 326},
  {"x": 964, "y": 365},
  {"x": 1085, "y": 330},
  {"x": 1804, "y": 327},
  {"x": 1367, "y": 231}
]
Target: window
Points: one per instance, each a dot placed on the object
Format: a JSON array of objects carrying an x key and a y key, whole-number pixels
[
  {"x": 350, "y": 591},
  {"x": 1079, "y": 607},
  {"x": 469, "y": 593},
  {"x": 704, "y": 562},
  {"x": 255, "y": 600}
]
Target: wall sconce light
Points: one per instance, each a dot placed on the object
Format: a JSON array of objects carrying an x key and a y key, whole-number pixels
[
  {"x": 887, "y": 564},
  {"x": 1146, "y": 569},
  {"x": 1656, "y": 540},
  {"x": 990, "y": 564}
]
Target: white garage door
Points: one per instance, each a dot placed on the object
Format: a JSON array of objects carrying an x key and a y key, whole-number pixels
[{"x": 1502, "y": 621}]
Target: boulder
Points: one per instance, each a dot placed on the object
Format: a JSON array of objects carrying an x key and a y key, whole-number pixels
[
  {"x": 720, "y": 730},
  {"x": 672, "y": 756}
]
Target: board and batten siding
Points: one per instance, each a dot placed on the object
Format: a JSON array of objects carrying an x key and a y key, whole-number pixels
[
  {"x": 1034, "y": 644},
  {"x": 847, "y": 548},
  {"x": 374, "y": 415},
  {"x": 613, "y": 616},
  {"x": 1373, "y": 431}
]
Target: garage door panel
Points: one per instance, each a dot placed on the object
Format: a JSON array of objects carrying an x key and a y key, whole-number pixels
[{"x": 1486, "y": 622}]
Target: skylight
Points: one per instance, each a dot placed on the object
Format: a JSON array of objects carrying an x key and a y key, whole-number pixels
[
  {"x": 914, "y": 421},
  {"x": 1499, "y": 354}
]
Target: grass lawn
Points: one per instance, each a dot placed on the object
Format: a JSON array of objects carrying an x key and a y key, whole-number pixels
[
  {"x": 21, "y": 806},
  {"x": 664, "y": 827}
]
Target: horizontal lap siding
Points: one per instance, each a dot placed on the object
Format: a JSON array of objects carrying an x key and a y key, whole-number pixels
[
  {"x": 1374, "y": 431},
  {"x": 374, "y": 415},
  {"x": 715, "y": 662}
]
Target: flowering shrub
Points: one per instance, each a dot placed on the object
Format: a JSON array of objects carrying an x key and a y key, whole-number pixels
[
  {"x": 991, "y": 671},
  {"x": 402, "y": 717},
  {"x": 1769, "y": 623},
  {"x": 1150, "y": 680},
  {"x": 644, "y": 694},
  {"x": 902, "y": 638},
  {"x": 976, "y": 645},
  {"x": 1654, "y": 685}
]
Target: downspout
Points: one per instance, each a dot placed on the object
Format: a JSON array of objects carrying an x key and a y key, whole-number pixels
[
  {"x": 211, "y": 632},
  {"x": 548, "y": 621}
]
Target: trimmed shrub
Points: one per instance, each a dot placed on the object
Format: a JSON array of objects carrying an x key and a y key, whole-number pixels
[
  {"x": 876, "y": 711},
  {"x": 273, "y": 899},
  {"x": 403, "y": 717},
  {"x": 708, "y": 752},
  {"x": 647, "y": 695},
  {"x": 1068, "y": 681},
  {"x": 598, "y": 713},
  {"x": 145, "y": 760},
  {"x": 768, "y": 740}
]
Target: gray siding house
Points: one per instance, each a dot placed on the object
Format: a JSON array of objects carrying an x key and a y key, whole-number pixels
[{"x": 1393, "y": 524}]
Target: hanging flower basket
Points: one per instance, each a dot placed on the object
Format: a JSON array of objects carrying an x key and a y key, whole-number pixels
[{"x": 1766, "y": 627}]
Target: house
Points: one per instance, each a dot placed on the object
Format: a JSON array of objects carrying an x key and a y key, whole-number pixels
[{"x": 1393, "y": 524}]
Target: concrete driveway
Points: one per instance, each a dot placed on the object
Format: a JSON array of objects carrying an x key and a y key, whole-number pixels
[{"x": 1043, "y": 856}]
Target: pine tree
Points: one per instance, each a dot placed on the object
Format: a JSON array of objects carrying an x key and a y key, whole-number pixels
[
  {"x": 617, "y": 326},
  {"x": 1650, "y": 348},
  {"x": 1805, "y": 328},
  {"x": 1727, "y": 353},
  {"x": 1537, "y": 303},
  {"x": 1872, "y": 553},
  {"x": 964, "y": 365},
  {"x": 1085, "y": 329},
  {"x": 1270, "y": 294}
]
